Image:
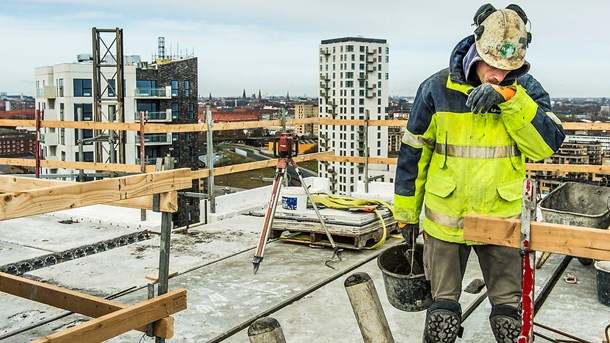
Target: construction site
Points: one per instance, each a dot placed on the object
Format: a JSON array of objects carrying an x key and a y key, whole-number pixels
[{"x": 151, "y": 252}]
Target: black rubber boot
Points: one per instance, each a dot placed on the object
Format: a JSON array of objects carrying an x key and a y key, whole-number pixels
[
  {"x": 505, "y": 323},
  {"x": 443, "y": 321}
]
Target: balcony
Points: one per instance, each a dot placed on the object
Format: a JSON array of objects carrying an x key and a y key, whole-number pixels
[
  {"x": 147, "y": 160},
  {"x": 370, "y": 93},
  {"x": 48, "y": 138},
  {"x": 161, "y": 116},
  {"x": 370, "y": 68},
  {"x": 324, "y": 51},
  {"x": 362, "y": 76},
  {"x": 371, "y": 51},
  {"x": 371, "y": 59},
  {"x": 154, "y": 93},
  {"x": 371, "y": 86},
  {"x": 47, "y": 92},
  {"x": 324, "y": 77},
  {"x": 155, "y": 139},
  {"x": 324, "y": 84}
]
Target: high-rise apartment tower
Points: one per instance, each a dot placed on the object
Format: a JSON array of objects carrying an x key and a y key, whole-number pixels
[{"x": 353, "y": 83}]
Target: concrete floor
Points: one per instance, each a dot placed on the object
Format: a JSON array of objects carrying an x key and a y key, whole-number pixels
[{"x": 214, "y": 264}]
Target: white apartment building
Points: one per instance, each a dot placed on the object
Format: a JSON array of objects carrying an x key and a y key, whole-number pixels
[
  {"x": 353, "y": 81},
  {"x": 64, "y": 89}
]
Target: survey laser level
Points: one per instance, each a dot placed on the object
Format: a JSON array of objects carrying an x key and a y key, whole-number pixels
[{"x": 285, "y": 147}]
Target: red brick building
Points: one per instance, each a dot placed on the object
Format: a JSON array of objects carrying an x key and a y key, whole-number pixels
[{"x": 16, "y": 143}]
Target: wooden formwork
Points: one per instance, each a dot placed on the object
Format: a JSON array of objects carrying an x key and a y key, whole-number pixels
[{"x": 23, "y": 197}]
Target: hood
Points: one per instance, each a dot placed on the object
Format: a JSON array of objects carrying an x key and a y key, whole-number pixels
[{"x": 457, "y": 72}]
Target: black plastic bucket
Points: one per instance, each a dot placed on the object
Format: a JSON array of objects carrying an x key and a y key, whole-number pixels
[
  {"x": 603, "y": 282},
  {"x": 405, "y": 292}
]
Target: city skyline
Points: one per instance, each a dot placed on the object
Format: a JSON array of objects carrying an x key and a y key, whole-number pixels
[{"x": 273, "y": 46}]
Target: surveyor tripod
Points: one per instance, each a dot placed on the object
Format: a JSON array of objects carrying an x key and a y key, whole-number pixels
[{"x": 284, "y": 150}]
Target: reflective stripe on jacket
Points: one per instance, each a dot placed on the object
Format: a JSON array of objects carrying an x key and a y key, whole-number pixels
[{"x": 465, "y": 163}]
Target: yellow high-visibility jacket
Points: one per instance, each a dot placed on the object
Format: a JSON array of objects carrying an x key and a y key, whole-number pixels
[{"x": 464, "y": 163}]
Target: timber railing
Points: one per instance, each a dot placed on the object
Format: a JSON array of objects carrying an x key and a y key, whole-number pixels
[
  {"x": 202, "y": 173},
  {"x": 23, "y": 197}
]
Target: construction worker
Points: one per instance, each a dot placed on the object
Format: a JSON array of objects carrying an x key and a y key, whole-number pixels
[{"x": 470, "y": 130}]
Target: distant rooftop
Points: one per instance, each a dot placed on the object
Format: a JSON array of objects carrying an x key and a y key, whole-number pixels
[{"x": 354, "y": 39}]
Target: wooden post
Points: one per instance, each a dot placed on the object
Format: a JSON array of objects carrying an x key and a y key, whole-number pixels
[
  {"x": 266, "y": 330},
  {"x": 367, "y": 308}
]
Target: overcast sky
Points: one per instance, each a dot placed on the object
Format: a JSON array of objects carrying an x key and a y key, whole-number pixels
[{"x": 272, "y": 45}]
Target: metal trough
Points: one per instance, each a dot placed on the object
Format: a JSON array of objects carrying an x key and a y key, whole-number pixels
[{"x": 577, "y": 204}]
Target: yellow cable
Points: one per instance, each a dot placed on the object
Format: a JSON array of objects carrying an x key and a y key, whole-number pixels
[{"x": 348, "y": 203}]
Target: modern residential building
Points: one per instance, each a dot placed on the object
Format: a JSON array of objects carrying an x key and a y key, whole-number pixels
[
  {"x": 302, "y": 111},
  {"x": 353, "y": 83},
  {"x": 165, "y": 91}
]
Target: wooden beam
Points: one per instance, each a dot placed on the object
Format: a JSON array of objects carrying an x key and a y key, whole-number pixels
[
  {"x": 56, "y": 198},
  {"x": 359, "y": 159},
  {"x": 554, "y": 238},
  {"x": 28, "y": 162},
  {"x": 586, "y": 126},
  {"x": 73, "y": 301},
  {"x": 168, "y": 203},
  {"x": 572, "y": 168},
  {"x": 157, "y": 127},
  {"x": 167, "y": 128},
  {"x": 202, "y": 173},
  {"x": 121, "y": 321}
]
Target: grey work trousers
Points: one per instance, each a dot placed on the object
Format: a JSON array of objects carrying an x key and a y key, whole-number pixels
[{"x": 445, "y": 265}]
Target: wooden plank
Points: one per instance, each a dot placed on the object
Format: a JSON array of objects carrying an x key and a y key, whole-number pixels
[
  {"x": 554, "y": 238},
  {"x": 28, "y": 162},
  {"x": 56, "y": 198},
  {"x": 72, "y": 301},
  {"x": 586, "y": 126},
  {"x": 246, "y": 124},
  {"x": 121, "y": 321},
  {"x": 202, "y": 173},
  {"x": 168, "y": 203},
  {"x": 169, "y": 128}
]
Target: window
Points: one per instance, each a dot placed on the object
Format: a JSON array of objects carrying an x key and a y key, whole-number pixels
[
  {"x": 60, "y": 87},
  {"x": 87, "y": 113},
  {"x": 87, "y": 156},
  {"x": 175, "y": 110},
  {"x": 191, "y": 111},
  {"x": 350, "y": 48},
  {"x": 151, "y": 108},
  {"x": 362, "y": 48},
  {"x": 82, "y": 87},
  {"x": 186, "y": 88},
  {"x": 146, "y": 87},
  {"x": 87, "y": 110},
  {"x": 111, "y": 88}
]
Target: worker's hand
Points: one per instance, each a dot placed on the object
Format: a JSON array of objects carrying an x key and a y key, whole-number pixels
[
  {"x": 483, "y": 97},
  {"x": 409, "y": 232}
]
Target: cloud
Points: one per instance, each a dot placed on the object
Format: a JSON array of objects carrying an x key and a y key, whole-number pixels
[{"x": 272, "y": 45}]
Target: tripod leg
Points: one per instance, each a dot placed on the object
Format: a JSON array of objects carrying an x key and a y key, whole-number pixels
[
  {"x": 264, "y": 236},
  {"x": 336, "y": 252}
]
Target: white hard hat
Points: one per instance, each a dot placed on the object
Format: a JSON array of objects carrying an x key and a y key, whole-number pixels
[{"x": 501, "y": 38}]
